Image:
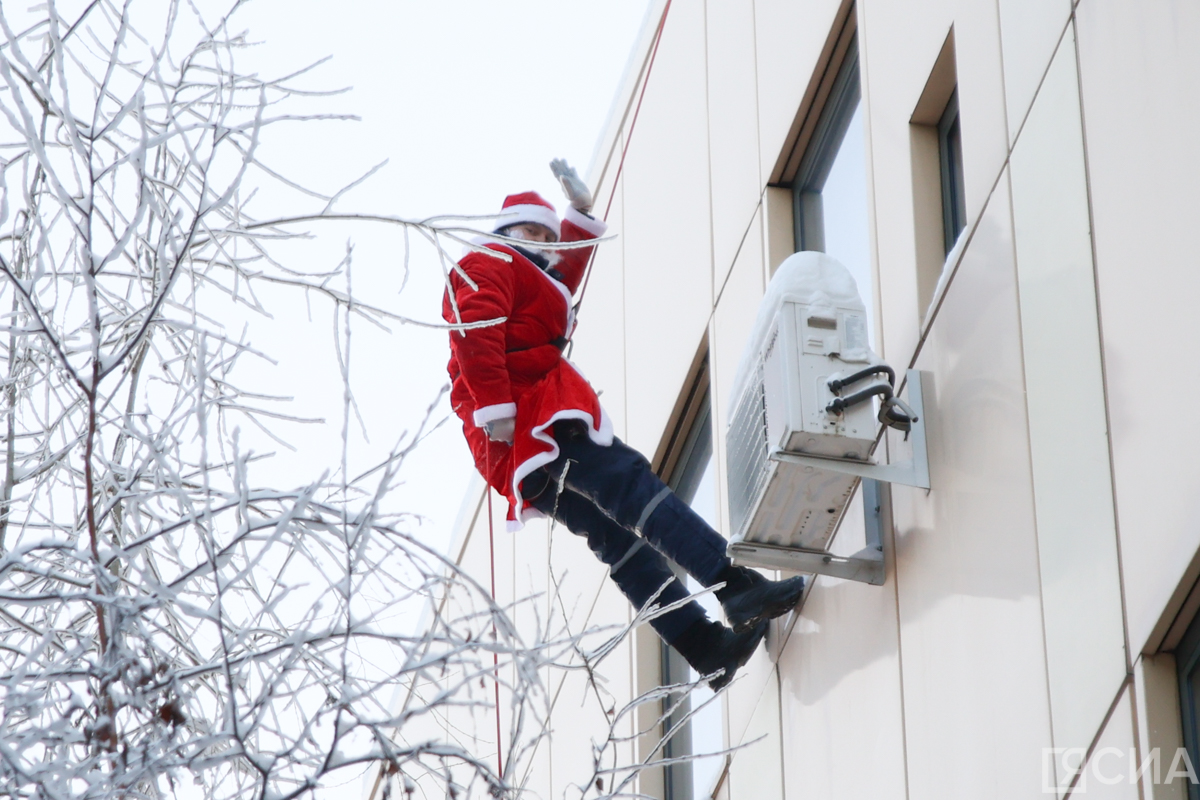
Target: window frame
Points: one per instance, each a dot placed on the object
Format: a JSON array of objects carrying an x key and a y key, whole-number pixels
[
  {"x": 687, "y": 467},
  {"x": 844, "y": 98},
  {"x": 950, "y": 161},
  {"x": 1187, "y": 667}
]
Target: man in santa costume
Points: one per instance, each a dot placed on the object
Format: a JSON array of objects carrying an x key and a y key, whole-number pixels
[{"x": 540, "y": 437}]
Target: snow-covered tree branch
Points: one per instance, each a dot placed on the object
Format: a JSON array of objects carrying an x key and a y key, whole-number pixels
[
  {"x": 167, "y": 623},
  {"x": 171, "y": 623}
]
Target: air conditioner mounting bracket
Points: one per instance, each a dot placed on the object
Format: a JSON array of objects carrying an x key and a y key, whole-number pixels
[
  {"x": 867, "y": 565},
  {"x": 909, "y": 473}
]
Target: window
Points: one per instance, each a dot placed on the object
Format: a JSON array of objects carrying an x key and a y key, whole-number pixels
[
  {"x": 685, "y": 460},
  {"x": 830, "y": 188},
  {"x": 694, "y": 482},
  {"x": 828, "y": 179},
  {"x": 1187, "y": 662},
  {"x": 954, "y": 201},
  {"x": 939, "y": 197}
]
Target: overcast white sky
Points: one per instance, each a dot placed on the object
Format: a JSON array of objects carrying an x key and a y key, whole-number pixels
[{"x": 468, "y": 100}]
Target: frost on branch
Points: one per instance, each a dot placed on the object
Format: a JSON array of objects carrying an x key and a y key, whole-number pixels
[{"x": 171, "y": 623}]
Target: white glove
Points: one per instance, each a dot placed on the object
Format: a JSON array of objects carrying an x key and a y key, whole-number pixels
[
  {"x": 501, "y": 430},
  {"x": 575, "y": 189}
]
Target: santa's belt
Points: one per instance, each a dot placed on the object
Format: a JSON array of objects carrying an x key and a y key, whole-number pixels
[{"x": 558, "y": 344}]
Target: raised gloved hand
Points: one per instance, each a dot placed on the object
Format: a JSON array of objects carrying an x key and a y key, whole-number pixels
[
  {"x": 575, "y": 189},
  {"x": 501, "y": 430}
]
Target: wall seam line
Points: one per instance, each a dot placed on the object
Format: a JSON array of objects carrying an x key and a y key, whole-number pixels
[
  {"x": 737, "y": 254},
  {"x": 1112, "y": 463},
  {"x": 1037, "y": 549},
  {"x": 1091, "y": 749}
]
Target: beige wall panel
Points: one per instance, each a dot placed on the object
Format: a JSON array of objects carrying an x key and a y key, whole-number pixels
[
  {"x": 647, "y": 669},
  {"x": 477, "y": 557},
  {"x": 779, "y": 234},
  {"x": 743, "y": 695},
  {"x": 733, "y": 128},
  {"x": 756, "y": 773},
  {"x": 1107, "y": 775},
  {"x": 583, "y": 598},
  {"x": 579, "y": 578},
  {"x": 606, "y": 160},
  {"x": 966, "y": 552},
  {"x": 981, "y": 109},
  {"x": 840, "y": 694},
  {"x": 474, "y": 559},
  {"x": 840, "y": 658},
  {"x": 1068, "y": 427},
  {"x": 668, "y": 266},
  {"x": 1029, "y": 32},
  {"x": 536, "y": 781},
  {"x": 530, "y": 577},
  {"x": 788, "y": 40},
  {"x": 610, "y": 614},
  {"x": 472, "y": 727},
  {"x": 599, "y": 349},
  {"x": 580, "y": 706},
  {"x": 612, "y": 691},
  {"x": 732, "y": 321},
  {"x": 897, "y": 52},
  {"x": 507, "y": 593},
  {"x": 1156, "y": 691},
  {"x": 900, "y": 50},
  {"x": 476, "y": 562},
  {"x": 1140, "y": 69},
  {"x": 577, "y": 721}
]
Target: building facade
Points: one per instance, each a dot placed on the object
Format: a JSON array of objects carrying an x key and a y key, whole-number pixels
[{"x": 1012, "y": 184}]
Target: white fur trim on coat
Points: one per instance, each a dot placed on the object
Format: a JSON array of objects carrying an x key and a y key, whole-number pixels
[
  {"x": 601, "y": 434},
  {"x": 483, "y": 416},
  {"x": 596, "y": 227}
]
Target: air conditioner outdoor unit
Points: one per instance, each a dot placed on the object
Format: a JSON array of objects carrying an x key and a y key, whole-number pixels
[{"x": 804, "y": 423}]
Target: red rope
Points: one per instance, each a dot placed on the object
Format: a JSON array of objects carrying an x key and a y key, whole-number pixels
[
  {"x": 487, "y": 488},
  {"x": 587, "y": 277},
  {"x": 628, "y": 140}
]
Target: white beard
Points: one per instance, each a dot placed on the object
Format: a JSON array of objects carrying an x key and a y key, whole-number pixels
[{"x": 553, "y": 257}]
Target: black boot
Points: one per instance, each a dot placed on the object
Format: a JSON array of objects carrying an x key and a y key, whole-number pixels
[
  {"x": 748, "y": 598},
  {"x": 713, "y": 649}
]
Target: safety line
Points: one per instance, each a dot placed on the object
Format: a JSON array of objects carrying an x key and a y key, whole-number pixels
[
  {"x": 583, "y": 290},
  {"x": 662, "y": 22},
  {"x": 495, "y": 639}
]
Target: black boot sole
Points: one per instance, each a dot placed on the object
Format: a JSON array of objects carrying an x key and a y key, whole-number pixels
[
  {"x": 744, "y": 649},
  {"x": 771, "y": 610}
]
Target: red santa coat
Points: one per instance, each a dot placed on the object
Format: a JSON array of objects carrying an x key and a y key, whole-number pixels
[{"x": 515, "y": 368}]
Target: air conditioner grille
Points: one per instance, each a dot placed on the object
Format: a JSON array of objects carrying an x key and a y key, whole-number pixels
[{"x": 747, "y": 444}]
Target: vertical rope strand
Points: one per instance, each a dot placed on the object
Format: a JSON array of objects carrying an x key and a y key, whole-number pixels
[
  {"x": 662, "y": 22},
  {"x": 492, "y": 557},
  {"x": 583, "y": 290}
]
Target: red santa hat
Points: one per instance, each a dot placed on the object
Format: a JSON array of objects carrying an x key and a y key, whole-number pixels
[{"x": 528, "y": 207}]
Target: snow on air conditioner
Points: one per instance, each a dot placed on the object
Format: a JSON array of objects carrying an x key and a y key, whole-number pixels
[{"x": 808, "y": 402}]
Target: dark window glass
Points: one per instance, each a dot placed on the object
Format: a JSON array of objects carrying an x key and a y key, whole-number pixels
[
  {"x": 830, "y": 188},
  {"x": 1187, "y": 661},
  {"x": 954, "y": 200},
  {"x": 693, "y": 480}
]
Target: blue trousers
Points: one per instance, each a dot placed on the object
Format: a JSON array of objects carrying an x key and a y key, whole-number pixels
[{"x": 612, "y": 496}]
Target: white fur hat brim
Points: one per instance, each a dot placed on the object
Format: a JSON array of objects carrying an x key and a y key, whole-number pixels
[{"x": 515, "y": 215}]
